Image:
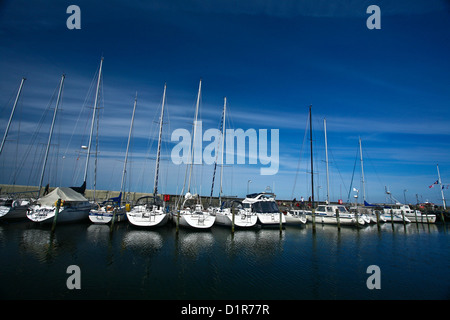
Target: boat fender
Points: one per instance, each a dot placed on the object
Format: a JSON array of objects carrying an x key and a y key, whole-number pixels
[
  {"x": 127, "y": 207},
  {"x": 63, "y": 203}
]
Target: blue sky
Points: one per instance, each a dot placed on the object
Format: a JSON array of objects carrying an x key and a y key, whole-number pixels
[{"x": 271, "y": 59}]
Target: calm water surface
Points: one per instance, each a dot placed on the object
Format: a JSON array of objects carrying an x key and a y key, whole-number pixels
[{"x": 132, "y": 263}]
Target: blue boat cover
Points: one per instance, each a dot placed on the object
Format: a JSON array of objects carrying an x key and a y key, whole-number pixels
[{"x": 115, "y": 199}]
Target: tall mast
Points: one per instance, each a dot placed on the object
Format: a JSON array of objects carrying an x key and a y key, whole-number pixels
[
  {"x": 194, "y": 135},
  {"x": 312, "y": 169},
  {"x": 223, "y": 143},
  {"x": 326, "y": 159},
  {"x": 217, "y": 156},
  {"x": 440, "y": 184},
  {"x": 128, "y": 145},
  {"x": 93, "y": 119},
  {"x": 362, "y": 172},
  {"x": 12, "y": 114},
  {"x": 313, "y": 210},
  {"x": 155, "y": 189},
  {"x": 51, "y": 133}
]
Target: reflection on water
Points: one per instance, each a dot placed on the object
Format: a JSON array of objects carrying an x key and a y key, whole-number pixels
[
  {"x": 142, "y": 241},
  {"x": 194, "y": 244},
  {"x": 296, "y": 263},
  {"x": 40, "y": 243}
]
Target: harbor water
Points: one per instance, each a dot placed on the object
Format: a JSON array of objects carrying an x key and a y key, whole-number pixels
[{"x": 259, "y": 264}]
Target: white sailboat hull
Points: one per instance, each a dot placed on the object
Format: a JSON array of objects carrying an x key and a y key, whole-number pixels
[
  {"x": 270, "y": 219},
  {"x": 366, "y": 219},
  {"x": 14, "y": 212},
  {"x": 344, "y": 220},
  {"x": 295, "y": 217},
  {"x": 195, "y": 220},
  {"x": 395, "y": 218},
  {"x": 373, "y": 218},
  {"x": 241, "y": 219},
  {"x": 422, "y": 218},
  {"x": 101, "y": 216},
  {"x": 46, "y": 214},
  {"x": 149, "y": 219}
]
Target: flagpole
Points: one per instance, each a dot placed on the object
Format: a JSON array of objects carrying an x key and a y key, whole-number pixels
[{"x": 440, "y": 184}]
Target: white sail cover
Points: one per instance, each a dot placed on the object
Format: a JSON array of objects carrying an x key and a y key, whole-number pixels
[{"x": 63, "y": 193}]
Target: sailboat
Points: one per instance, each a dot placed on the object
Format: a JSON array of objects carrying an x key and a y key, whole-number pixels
[
  {"x": 299, "y": 216},
  {"x": 243, "y": 218},
  {"x": 398, "y": 212},
  {"x": 12, "y": 207},
  {"x": 74, "y": 206},
  {"x": 329, "y": 213},
  {"x": 112, "y": 209},
  {"x": 149, "y": 211},
  {"x": 326, "y": 214},
  {"x": 108, "y": 211},
  {"x": 295, "y": 217},
  {"x": 191, "y": 213},
  {"x": 224, "y": 212},
  {"x": 410, "y": 215},
  {"x": 393, "y": 212},
  {"x": 368, "y": 212}
]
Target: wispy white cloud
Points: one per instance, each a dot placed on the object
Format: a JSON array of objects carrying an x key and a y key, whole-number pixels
[
  {"x": 409, "y": 124},
  {"x": 406, "y": 125}
]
